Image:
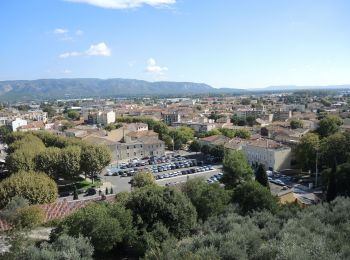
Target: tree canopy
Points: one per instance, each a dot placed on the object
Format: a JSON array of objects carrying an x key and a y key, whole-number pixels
[{"x": 236, "y": 169}]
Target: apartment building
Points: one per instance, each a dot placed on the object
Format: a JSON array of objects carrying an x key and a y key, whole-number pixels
[
  {"x": 170, "y": 118},
  {"x": 269, "y": 153}
]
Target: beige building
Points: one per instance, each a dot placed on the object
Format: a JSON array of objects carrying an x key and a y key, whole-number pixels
[{"x": 269, "y": 153}]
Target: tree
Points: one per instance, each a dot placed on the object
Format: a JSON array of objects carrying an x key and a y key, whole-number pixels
[
  {"x": 242, "y": 133},
  {"x": 69, "y": 162},
  {"x": 261, "y": 176},
  {"x": 236, "y": 169},
  {"x": 230, "y": 133},
  {"x": 213, "y": 132},
  {"x": 48, "y": 161},
  {"x": 245, "y": 101},
  {"x": 49, "y": 110},
  {"x": 195, "y": 146},
  {"x": 152, "y": 204},
  {"x": 142, "y": 179},
  {"x": 209, "y": 200},
  {"x": 264, "y": 131},
  {"x": 294, "y": 124},
  {"x": 251, "y": 196},
  {"x": 331, "y": 187},
  {"x": 250, "y": 120},
  {"x": 74, "y": 115},
  {"x": 36, "y": 187},
  {"x": 65, "y": 247},
  {"x": 93, "y": 159},
  {"x": 110, "y": 127},
  {"x": 218, "y": 151},
  {"x": 334, "y": 150},
  {"x": 4, "y": 131},
  {"x": 22, "y": 152},
  {"x": 329, "y": 125},
  {"x": 306, "y": 151},
  {"x": 75, "y": 193},
  {"x": 205, "y": 149},
  {"x": 104, "y": 224}
]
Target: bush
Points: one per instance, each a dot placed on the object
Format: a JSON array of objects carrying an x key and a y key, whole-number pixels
[
  {"x": 29, "y": 217},
  {"x": 36, "y": 187},
  {"x": 65, "y": 247}
]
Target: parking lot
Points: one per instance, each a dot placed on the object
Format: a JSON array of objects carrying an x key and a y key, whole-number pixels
[{"x": 167, "y": 170}]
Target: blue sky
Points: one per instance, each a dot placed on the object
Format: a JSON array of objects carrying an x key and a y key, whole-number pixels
[{"x": 225, "y": 43}]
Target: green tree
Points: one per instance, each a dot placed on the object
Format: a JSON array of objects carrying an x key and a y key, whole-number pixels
[
  {"x": 75, "y": 193},
  {"x": 213, "y": 132},
  {"x": 227, "y": 132},
  {"x": 218, "y": 151},
  {"x": 334, "y": 150},
  {"x": 4, "y": 131},
  {"x": 153, "y": 204},
  {"x": 245, "y": 101},
  {"x": 49, "y": 110},
  {"x": 69, "y": 162},
  {"x": 37, "y": 188},
  {"x": 294, "y": 124},
  {"x": 251, "y": 196},
  {"x": 74, "y": 115},
  {"x": 306, "y": 151},
  {"x": 250, "y": 120},
  {"x": 195, "y": 146},
  {"x": 264, "y": 131},
  {"x": 261, "y": 176},
  {"x": 48, "y": 161},
  {"x": 93, "y": 159},
  {"x": 242, "y": 133},
  {"x": 103, "y": 224},
  {"x": 110, "y": 127},
  {"x": 142, "y": 179},
  {"x": 209, "y": 200},
  {"x": 329, "y": 125},
  {"x": 205, "y": 149},
  {"x": 236, "y": 169}
]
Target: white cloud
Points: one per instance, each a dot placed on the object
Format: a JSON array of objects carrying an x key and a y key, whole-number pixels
[
  {"x": 67, "y": 71},
  {"x": 70, "y": 54},
  {"x": 100, "y": 49},
  {"x": 60, "y": 31},
  {"x": 79, "y": 32},
  {"x": 124, "y": 4},
  {"x": 153, "y": 68}
]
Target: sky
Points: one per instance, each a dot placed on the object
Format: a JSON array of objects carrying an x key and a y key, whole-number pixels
[{"x": 224, "y": 43}]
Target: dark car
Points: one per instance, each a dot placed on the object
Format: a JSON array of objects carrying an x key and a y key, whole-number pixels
[{"x": 90, "y": 191}]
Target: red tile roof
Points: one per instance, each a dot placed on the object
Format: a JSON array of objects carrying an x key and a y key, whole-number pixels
[{"x": 61, "y": 209}]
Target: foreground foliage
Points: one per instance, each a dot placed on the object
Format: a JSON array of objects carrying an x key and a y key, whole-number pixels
[{"x": 318, "y": 232}]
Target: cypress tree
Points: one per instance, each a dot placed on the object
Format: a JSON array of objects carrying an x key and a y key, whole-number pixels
[
  {"x": 261, "y": 176},
  {"x": 75, "y": 193}
]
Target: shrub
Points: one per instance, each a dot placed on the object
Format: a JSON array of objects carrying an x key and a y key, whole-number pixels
[{"x": 29, "y": 217}]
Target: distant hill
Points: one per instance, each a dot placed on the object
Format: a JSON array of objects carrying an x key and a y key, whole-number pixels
[
  {"x": 43, "y": 89},
  {"x": 294, "y": 87}
]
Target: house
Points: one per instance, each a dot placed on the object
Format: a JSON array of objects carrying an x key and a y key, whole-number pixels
[
  {"x": 34, "y": 126},
  {"x": 18, "y": 122}
]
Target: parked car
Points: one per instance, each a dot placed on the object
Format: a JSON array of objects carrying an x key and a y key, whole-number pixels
[{"x": 90, "y": 191}]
